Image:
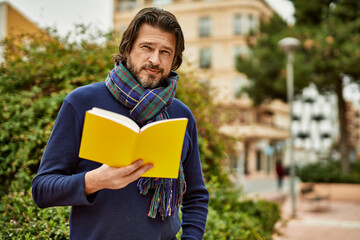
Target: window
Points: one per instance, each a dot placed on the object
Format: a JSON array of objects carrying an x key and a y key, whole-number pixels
[
  {"x": 252, "y": 23},
  {"x": 124, "y": 5},
  {"x": 238, "y": 83},
  {"x": 205, "y": 58},
  {"x": 205, "y": 27},
  {"x": 238, "y": 26},
  {"x": 162, "y": 2},
  {"x": 244, "y": 23},
  {"x": 240, "y": 50}
]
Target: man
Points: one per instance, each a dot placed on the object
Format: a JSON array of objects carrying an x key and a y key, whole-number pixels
[
  {"x": 115, "y": 203},
  {"x": 279, "y": 173}
]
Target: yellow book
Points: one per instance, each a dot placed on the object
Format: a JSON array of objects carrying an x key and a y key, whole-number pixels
[{"x": 117, "y": 141}]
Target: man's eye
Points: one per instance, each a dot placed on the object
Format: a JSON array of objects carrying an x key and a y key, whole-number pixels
[
  {"x": 165, "y": 52},
  {"x": 146, "y": 47}
]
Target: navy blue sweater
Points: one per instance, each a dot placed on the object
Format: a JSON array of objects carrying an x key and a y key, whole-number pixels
[{"x": 113, "y": 214}]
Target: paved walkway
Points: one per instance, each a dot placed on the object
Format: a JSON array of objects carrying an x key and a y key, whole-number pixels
[{"x": 340, "y": 221}]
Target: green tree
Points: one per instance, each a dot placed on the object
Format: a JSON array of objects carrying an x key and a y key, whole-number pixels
[
  {"x": 332, "y": 43},
  {"x": 329, "y": 31},
  {"x": 265, "y": 65}
]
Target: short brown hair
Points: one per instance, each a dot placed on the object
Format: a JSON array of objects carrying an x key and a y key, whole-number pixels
[{"x": 155, "y": 17}]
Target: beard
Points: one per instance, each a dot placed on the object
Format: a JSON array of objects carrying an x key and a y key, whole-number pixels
[{"x": 146, "y": 80}]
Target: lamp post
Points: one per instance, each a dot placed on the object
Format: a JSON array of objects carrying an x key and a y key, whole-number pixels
[{"x": 288, "y": 45}]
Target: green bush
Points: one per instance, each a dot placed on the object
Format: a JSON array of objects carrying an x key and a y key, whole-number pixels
[
  {"x": 232, "y": 225},
  {"x": 329, "y": 172},
  {"x": 21, "y": 219},
  {"x": 26, "y": 123},
  {"x": 233, "y": 217},
  {"x": 38, "y": 72}
]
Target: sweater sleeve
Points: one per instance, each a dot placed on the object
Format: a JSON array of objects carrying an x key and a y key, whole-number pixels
[
  {"x": 196, "y": 198},
  {"x": 57, "y": 182}
]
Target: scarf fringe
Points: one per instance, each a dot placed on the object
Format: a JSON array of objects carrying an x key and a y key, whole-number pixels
[{"x": 168, "y": 194}]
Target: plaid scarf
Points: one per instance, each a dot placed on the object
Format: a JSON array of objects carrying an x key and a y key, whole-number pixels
[{"x": 145, "y": 106}]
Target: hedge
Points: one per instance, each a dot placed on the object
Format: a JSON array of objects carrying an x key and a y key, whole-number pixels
[{"x": 329, "y": 172}]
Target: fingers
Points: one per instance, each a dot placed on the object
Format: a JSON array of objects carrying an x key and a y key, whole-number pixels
[
  {"x": 114, "y": 178},
  {"x": 134, "y": 175},
  {"x": 132, "y": 167},
  {"x": 136, "y": 168}
]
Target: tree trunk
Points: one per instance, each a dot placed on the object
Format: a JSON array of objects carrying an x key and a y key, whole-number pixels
[{"x": 344, "y": 139}]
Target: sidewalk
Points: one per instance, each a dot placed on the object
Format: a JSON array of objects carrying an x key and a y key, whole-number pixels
[{"x": 341, "y": 221}]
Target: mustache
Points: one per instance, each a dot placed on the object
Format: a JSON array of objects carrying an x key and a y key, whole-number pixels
[{"x": 157, "y": 68}]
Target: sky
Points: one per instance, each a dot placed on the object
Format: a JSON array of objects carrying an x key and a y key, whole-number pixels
[{"x": 65, "y": 14}]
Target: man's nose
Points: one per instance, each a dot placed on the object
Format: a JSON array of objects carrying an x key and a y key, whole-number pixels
[{"x": 154, "y": 58}]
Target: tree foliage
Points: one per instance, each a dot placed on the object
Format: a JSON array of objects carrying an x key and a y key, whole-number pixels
[
  {"x": 329, "y": 32},
  {"x": 264, "y": 65}
]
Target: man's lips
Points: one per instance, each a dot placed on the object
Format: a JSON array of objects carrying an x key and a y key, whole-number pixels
[{"x": 152, "y": 70}]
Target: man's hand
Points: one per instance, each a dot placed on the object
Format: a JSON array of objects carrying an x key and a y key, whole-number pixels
[{"x": 113, "y": 178}]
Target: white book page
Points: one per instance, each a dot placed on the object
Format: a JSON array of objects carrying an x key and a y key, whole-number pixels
[
  {"x": 116, "y": 118},
  {"x": 157, "y": 122}
]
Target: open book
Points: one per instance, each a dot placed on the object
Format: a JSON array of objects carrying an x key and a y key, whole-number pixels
[{"x": 117, "y": 141}]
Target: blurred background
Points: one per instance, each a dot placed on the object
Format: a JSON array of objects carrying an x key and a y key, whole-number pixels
[{"x": 274, "y": 86}]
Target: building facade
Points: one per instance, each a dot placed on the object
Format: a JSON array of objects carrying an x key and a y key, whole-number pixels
[
  {"x": 215, "y": 33},
  {"x": 315, "y": 125},
  {"x": 14, "y": 23}
]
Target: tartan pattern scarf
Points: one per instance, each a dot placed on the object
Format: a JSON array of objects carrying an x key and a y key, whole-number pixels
[{"x": 145, "y": 106}]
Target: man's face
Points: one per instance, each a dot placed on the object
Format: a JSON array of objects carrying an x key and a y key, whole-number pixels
[{"x": 151, "y": 56}]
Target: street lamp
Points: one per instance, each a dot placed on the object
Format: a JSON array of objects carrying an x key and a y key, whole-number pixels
[{"x": 288, "y": 45}]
